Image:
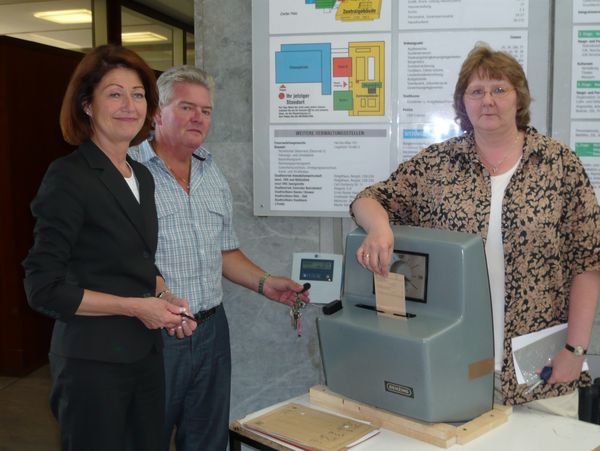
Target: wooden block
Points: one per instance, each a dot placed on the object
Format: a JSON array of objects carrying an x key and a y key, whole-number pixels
[
  {"x": 507, "y": 410},
  {"x": 442, "y": 435},
  {"x": 480, "y": 425}
]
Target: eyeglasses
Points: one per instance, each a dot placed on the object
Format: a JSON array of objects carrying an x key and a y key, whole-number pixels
[{"x": 479, "y": 93}]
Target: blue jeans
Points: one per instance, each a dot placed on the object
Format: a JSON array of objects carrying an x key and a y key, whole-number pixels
[{"x": 198, "y": 382}]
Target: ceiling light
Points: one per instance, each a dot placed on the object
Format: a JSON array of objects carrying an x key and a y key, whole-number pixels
[
  {"x": 142, "y": 36},
  {"x": 66, "y": 16}
]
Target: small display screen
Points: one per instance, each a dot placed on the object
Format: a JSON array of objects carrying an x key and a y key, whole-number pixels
[{"x": 316, "y": 269}]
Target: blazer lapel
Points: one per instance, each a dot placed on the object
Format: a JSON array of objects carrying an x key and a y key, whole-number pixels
[
  {"x": 147, "y": 202},
  {"x": 116, "y": 184}
]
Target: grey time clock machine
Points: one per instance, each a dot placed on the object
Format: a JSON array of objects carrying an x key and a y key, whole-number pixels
[{"x": 437, "y": 364}]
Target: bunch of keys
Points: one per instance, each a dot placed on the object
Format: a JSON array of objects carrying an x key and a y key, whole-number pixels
[{"x": 295, "y": 312}]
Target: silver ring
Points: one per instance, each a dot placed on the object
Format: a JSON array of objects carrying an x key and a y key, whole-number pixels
[{"x": 366, "y": 255}]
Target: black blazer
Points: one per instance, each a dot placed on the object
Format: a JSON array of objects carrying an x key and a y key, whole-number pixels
[{"x": 91, "y": 233}]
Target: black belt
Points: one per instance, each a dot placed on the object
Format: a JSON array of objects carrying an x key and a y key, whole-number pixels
[{"x": 202, "y": 316}]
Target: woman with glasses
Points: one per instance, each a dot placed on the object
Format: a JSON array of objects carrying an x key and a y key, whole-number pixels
[{"x": 532, "y": 202}]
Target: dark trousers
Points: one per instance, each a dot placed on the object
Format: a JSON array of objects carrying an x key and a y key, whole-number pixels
[
  {"x": 108, "y": 406},
  {"x": 198, "y": 382}
]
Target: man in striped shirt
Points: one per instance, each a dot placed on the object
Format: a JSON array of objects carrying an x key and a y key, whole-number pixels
[{"x": 197, "y": 246}]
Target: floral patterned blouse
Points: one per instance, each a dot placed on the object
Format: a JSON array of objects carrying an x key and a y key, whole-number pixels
[{"x": 550, "y": 228}]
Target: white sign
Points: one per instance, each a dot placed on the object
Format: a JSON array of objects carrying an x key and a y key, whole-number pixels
[
  {"x": 586, "y": 11},
  {"x": 463, "y": 14},
  {"x": 585, "y": 141},
  {"x": 324, "y": 168},
  {"x": 585, "y": 84},
  {"x": 427, "y": 79}
]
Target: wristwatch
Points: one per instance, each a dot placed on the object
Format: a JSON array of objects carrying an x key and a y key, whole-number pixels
[{"x": 577, "y": 350}]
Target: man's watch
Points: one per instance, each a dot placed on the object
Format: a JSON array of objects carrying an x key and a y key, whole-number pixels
[{"x": 577, "y": 350}]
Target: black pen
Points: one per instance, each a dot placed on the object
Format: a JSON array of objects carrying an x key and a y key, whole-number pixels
[{"x": 188, "y": 316}]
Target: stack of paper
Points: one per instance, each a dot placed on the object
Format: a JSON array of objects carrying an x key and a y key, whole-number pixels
[
  {"x": 531, "y": 352},
  {"x": 311, "y": 429}
]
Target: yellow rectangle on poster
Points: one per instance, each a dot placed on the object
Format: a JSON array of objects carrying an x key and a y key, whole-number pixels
[{"x": 358, "y": 10}]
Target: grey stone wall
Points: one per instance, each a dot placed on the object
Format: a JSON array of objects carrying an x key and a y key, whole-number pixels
[{"x": 270, "y": 363}]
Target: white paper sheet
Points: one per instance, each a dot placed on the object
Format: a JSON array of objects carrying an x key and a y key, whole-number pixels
[{"x": 554, "y": 336}]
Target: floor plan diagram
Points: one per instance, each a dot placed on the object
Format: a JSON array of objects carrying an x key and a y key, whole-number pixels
[{"x": 354, "y": 77}]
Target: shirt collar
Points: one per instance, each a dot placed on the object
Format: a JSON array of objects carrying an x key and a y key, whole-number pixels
[
  {"x": 463, "y": 149},
  {"x": 144, "y": 152},
  {"x": 532, "y": 146}
]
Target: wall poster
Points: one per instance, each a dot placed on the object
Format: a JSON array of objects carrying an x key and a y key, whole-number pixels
[{"x": 346, "y": 90}]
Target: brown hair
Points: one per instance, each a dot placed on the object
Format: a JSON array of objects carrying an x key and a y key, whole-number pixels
[
  {"x": 75, "y": 124},
  {"x": 487, "y": 63}
]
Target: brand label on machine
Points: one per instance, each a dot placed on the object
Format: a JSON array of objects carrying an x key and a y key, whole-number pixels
[{"x": 399, "y": 389}]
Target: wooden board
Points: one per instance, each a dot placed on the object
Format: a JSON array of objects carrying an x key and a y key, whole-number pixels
[{"x": 439, "y": 434}]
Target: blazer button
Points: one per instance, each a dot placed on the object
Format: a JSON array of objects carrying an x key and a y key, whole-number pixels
[{"x": 146, "y": 255}]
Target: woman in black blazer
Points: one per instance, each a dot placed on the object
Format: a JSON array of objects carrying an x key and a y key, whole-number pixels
[{"x": 92, "y": 267}]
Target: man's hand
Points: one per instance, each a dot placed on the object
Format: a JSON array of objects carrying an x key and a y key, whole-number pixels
[{"x": 284, "y": 290}]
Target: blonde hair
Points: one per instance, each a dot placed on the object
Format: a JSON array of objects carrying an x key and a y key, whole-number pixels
[{"x": 183, "y": 73}]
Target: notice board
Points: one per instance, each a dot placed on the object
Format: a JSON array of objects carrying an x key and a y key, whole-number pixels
[
  {"x": 343, "y": 91},
  {"x": 576, "y": 103}
]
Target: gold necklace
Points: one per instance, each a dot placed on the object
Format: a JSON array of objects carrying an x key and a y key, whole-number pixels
[
  {"x": 497, "y": 166},
  {"x": 185, "y": 182},
  {"x": 180, "y": 180}
]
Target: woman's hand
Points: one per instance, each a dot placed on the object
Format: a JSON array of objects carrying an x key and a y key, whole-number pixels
[
  {"x": 376, "y": 250},
  {"x": 188, "y": 326},
  {"x": 158, "y": 313},
  {"x": 566, "y": 367}
]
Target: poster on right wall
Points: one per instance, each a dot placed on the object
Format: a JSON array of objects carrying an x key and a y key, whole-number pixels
[{"x": 585, "y": 87}]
